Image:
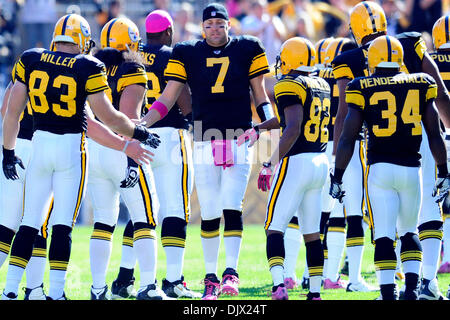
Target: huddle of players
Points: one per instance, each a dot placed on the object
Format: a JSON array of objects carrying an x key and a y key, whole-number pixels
[
  {"x": 395, "y": 164},
  {"x": 301, "y": 152}
]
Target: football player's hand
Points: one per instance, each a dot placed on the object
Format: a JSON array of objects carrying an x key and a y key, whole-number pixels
[
  {"x": 138, "y": 153},
  {"x": 264, "y": 177},
  {"x": 251, "y": 135},
  {"x": 9, "y": 164},
  {"x": 336, "y": 191},
  {"x": 144, "y": 135},
  {"x": 441, "y": 188},
  {"x": 132, "y": 175}
]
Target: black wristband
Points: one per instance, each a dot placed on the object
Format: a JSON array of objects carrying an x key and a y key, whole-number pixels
[
  {"x": 442, "y": 170},
  {"x": 338, "y": 174},
  {"x": 140, "y": 133},
  {"x": 264, "y": 113},
  {"x": 8, "y": 154}
]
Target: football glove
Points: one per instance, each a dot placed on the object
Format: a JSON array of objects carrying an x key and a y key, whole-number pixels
[
  {"x": 9, "y": 164},
  {"x": 336, "y": 191},
  {"x": 441, "y": 188},
  {"x": 251, "y": 135},
  {"x": 132, "y": 175},
  {"x": 144, "y": 135},
  {"x": 264, "y": 177}
]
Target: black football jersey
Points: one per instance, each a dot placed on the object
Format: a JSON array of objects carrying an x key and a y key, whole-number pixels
[
  {"x": 219, "y": 79},
  {"x": 58, "y": 84},
  {"x": 26, "y": 120},
  {"x": 156, "y": 58},
  {"x": 352, "y": 64},
  {"x": 328, "y": 76},
  {"x": 121, "y": 73},
  {"x": 392, "y": 107},
  {"x": 313, "y": 93},
  {"x": 442, "y": 59}
]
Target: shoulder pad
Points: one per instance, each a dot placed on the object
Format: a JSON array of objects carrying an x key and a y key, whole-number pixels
[{"x": 411, "y": 34}]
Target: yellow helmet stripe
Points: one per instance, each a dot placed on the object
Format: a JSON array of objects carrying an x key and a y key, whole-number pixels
[
  {"x": 309, "y": 54},
  {"x": 447, "y": 37},
  {"x": 338, "y": 47},
  {"x": 109, "y": 31},
  {"x": 319, "y": 50},
  {"x": 63, "y": 30},
  {"x": 372, "y": 19},
  {"x": 389, "y": 49}
]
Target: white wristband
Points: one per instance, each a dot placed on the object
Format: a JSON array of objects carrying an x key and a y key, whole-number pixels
[{"x": 126, "y": 145}]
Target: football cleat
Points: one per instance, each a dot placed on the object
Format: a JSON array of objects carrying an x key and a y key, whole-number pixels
[
  {"x": 290, "y": 283},
  {"x": 100, "y": 294},
  {"x": 361, "y": 286},
  {"x": 338, "y": 284},
  {"x": 313, "y": 296},
  {"x": 279, "y": 293},
  {"x": 444, "y": 268},
  {"x": 9, "y": 296},
  {"x": 123, "y": 290},
  {"x": 389, "y": 295},
  {"x": 429, "y": 290},
  {"x": 305, "y": 283},
  {"x": 35, "y": 293},
  {"x": 230, "y": 282},
  {"x": 63, "y": 297},
  {"x": 152, "y": 292},
  {"x": 212, "y": 287},
  {"x": 178, "y": 289},
  {"x": 410, "y": 295}
]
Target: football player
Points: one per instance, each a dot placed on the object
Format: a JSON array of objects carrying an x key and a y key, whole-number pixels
[
  {"x": 127, "y": 80},
  {"x": 220, "y": 71},
  {"x": 441, "y": 57},
  {"x": 393, "y": 184},
  {"x": 303, "y": 104},
  {"x": 57, "y": 84},
  {"x": 292, "y": 235},
  {"x": 173, "y": 174},
  {"x": 367, "y": 22}
]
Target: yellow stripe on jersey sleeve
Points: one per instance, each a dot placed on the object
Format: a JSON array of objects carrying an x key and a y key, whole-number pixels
[
  {"x": 13, "y": 73},
  {"x": 20, "y": 71},
  {"x": 355, "y": 97},
  {"x": 259, "y": 63},
  {"x": 420, "y": 48},
  {"x": 96, "y": 83},
  {"x": 175, "y": 69},
  {"x": 343, "y": 71},
  {"x": 431, "y": 92},
  {"x": 290, "y": 87},
  {"x": 445, "y": 76},
  {"x": 132, "y": 78}
]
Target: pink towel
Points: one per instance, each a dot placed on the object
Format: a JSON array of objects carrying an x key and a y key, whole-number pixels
[{"x": 223, "y": 153}]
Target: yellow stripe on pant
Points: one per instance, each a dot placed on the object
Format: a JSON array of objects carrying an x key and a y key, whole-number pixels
[
  {"x": 184, "y": 175},
  {"x": 83, "y": 177},
  {"x": 276, "y": 191}
]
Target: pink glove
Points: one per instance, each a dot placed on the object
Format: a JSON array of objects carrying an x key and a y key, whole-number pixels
[
  {"x": 264, "y": 177},
  {"x": 251, "y": 135}
]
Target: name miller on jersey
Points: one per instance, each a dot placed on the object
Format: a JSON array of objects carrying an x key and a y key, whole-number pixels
[
  {"x": 401, "y": 78},
  {"x": 66, "y": 62}
]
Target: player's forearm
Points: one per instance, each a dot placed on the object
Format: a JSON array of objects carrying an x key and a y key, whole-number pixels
[
  {"x": 338, "y": 125},
  {"x": 10, "y": 131},
  {"x": 270, "y": 124},
  {"x": 104, "y": 136},
  {"x": 5, "y": 99},
  {"x": 344, "y": 152},
  {"x": 438, "y": 150},
  {"x": 165, "y": 102},
  {"x": 287, "y": 140},
  {"x": 443, "y": 106}
]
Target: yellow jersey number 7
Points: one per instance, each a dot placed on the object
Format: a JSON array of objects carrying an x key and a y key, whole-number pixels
[{"x": 224, "y": 63}]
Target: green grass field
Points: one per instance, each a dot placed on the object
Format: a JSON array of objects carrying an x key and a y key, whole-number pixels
[{"x": 255, "y": 279}]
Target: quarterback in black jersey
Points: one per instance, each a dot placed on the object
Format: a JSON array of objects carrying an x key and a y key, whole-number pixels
[
  {"x": 392, "y": 178},
  {"x": 221, "y": 72},
  {"x": 57, "y": 85}
]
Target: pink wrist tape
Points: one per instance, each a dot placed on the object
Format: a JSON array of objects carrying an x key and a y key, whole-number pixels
[{"x": 160, "y": 107}]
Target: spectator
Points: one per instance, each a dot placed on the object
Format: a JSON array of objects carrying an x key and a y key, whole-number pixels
[
  {"x": 269, "y": 29},
  {"x": 185, "y": 28},
  {"x": 395, "y": 15},
  {"x": 243, "y": 9},
  {"x": 38, "y": 19},
  {"x": 423, "y": 14}
]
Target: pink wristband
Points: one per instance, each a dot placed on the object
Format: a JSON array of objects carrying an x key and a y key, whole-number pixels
[{"x": 160, "y": 107}]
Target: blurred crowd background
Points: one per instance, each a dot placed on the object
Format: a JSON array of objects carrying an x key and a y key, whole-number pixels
[
  {"x": 29, "y": 23},
  {"x": 26, "y": 24}
]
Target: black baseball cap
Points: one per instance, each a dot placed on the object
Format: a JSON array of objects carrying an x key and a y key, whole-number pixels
[{"x": 215, "y": 10}]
